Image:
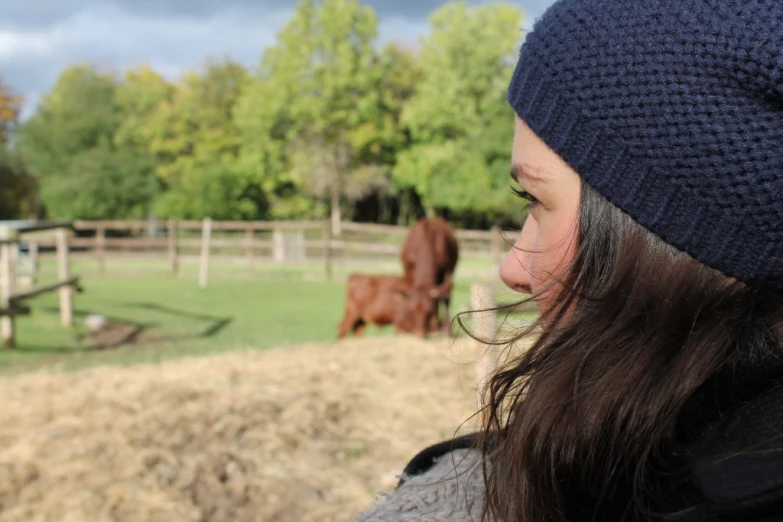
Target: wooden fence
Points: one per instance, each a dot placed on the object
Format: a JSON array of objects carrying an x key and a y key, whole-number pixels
[
  {"x": 256, "y": 242},
  {"x": 12, "y": 300}
]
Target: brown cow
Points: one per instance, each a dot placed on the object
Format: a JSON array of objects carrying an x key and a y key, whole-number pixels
[
  {"x": 373, "y": 299},
  {"x": 429, "y": 257}
]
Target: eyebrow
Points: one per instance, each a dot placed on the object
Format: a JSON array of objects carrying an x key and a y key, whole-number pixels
[{"x": 520, "y": 171}]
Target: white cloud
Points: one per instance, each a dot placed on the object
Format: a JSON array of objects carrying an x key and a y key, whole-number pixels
[
  {"x": 14, "y": 43},
  {"x": 113, "y": 39}
]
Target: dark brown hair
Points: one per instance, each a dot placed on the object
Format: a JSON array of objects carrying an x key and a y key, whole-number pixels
[{"x": 591, "y": 422}]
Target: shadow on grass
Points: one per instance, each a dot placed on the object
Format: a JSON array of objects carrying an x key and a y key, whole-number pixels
[
  {"x": 119, "y": 331},
  {"x": 119, "y": 335},
  {"x": 217, "y": 323}
]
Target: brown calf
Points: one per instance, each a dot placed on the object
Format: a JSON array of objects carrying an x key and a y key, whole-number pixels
[{"x": 372, "y": 299}]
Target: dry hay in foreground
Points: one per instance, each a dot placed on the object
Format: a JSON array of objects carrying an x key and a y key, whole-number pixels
[{"x": 295, "y": 434}]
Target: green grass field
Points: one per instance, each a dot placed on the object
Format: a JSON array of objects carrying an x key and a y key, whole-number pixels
[{"x": 173, "y": 317}]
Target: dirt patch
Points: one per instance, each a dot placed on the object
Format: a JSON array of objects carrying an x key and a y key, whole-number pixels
[
  {"x": 300, "y": 434},
  {"x": 112, "y": 335}
]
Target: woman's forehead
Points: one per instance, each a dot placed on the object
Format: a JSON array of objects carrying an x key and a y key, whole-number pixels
[
  {"x": 531, "y": 173},
  {"x": 532, "y": 160}
]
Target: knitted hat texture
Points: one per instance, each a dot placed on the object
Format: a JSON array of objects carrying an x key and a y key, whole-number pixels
[{"x": 673, "y": 111}]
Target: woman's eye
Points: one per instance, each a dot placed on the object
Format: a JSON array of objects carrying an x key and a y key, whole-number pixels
[{"x": 520, "y": 193}]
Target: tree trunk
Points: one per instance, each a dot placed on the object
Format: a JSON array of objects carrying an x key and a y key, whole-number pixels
[
  {"x": 384, "y": 210},
  {"x": 342, "y": 158},
  {"x": 402, "y": 218},
  {"x": 335, "y": 210}
]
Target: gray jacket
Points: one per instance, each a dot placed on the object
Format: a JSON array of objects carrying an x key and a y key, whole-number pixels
[{"x": 452, "y": 490}]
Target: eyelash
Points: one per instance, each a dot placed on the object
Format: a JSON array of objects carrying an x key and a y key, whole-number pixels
[{"x": 524, "y": 195}]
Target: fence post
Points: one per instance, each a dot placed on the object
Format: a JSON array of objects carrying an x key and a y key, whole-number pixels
[
  {"x": 484, "y": 327},
  {"x": 7, "y": 279},
  {"x": 33, "y": 249},
  {"x": 297, "y": 249},
  {"x": 173, "y": 253},
  {"x": 100, "y": 248},
  {"x": 206, "y": 237},
  {"x": 328, "y": 249},
  {"x": 249, "y": 248},
  {"x": 152, "y": 228},
  {"x": 63, "y": 273},
  {"x": 496, "y": 244},
  {"x": 278, "y": 245}
]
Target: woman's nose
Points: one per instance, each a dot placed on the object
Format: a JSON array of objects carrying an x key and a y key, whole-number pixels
[
  {"x": 514, "y": 272},
  {"x": 515, "y": 268}
]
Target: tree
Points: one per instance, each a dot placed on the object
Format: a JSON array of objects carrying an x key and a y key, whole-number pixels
[
  {"x": 194, "y": 137},
  {"x": 69, "y": 146},
  {"x": 318, "y": 168},
  {"x": 263, "y": 121},
  {"x": 315, "y": 89},
  {"x": 458, "y": 117},
  {"x": 17, "y": 197},
  {"x": 328, "y": 124},
  {"x": 381, "y": 136},
  {"x": 138, "y": 97}
]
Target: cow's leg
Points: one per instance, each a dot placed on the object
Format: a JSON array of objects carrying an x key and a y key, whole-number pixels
[
  {"x": 446, "y": 326},
  {"x": 431, "y": 325},
  {"x": 348, "y": 323},
  {"x": 359, "y": 327},
  {"x": 442, "y": 292},
  {"x": 342, "y": 330},
  {"x": 435, "y": 323}
]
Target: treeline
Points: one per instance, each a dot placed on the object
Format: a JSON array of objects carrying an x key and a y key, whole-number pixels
[
  {"x": 17, "y": 186},
  {"x": 328, "y": 122}
]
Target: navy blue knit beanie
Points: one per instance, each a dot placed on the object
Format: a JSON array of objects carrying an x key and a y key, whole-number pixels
[{"x": 673, "y": 111}]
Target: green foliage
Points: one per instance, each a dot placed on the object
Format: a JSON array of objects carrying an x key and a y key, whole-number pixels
[
  {"x": 138, "y": 97},
  {"x": 17, "y": 186},
  {"x": 102, "y": 183},
  {"x": 69, "y": 145},
  {"x": 458, "y": 108},
  {"x": 381, "y": 136},
  {"x": 329, "y": 120},
  {"x": 194, "y": 136},
  {"x": 262, "y": 121},
  {"x": 311, "y": 103},
  {"x": 17, "y": 197}
]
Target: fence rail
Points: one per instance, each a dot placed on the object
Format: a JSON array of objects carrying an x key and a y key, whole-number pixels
[
  {"x": 12, "y": 302},
  {"x": 256, "y": 242}
]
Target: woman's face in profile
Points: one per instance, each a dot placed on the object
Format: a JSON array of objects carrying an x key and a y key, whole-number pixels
[{"x": 549, "y": 236}]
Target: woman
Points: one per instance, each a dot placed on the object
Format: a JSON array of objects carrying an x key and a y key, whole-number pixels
[{"x": 649, "y": 142}]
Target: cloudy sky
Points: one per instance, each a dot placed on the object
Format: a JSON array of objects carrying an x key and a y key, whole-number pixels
[{"x": 40, "y": 37}]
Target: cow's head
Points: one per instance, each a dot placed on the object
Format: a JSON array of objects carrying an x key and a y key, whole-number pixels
[{"x": 419, "y": 308}]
